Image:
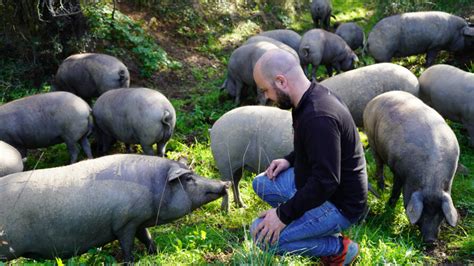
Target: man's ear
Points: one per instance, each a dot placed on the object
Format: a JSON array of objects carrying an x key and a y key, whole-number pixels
[{"x": 281, "y": 82}]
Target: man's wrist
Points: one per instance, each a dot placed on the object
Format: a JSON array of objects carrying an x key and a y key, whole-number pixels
[{"x": 281, "y": 215}]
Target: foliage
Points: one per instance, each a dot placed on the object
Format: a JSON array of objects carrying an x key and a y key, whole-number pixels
[
  {"x": 39, "y": 30},
  {"x": 388, "y": 8},
  {"x": 12, "y": 85},
  {"x": 121, "y": 35},
  {"x": 200, "y": 106}
]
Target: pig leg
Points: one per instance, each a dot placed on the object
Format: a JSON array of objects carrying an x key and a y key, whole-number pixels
[
  {"x": 235, "y": 188},
  {"x": 305, "y": 69},
  {"x": 238, "y": 91},
  {"x": 325, "y": 22},
  {"x": 73, "y": 150},
  {"x": 148, "y": 149},
  {"x": 396, "y": 190},
  {"x": 316, "y": 22},
  {"x": 144, "y": 236},
  {"x": 104, "y": 142},
  {"x": 86, "y": 147},
  {"x": 126, "y": 236},
  {"x": 225, "y": 203},
  {"x": 379, "y": 171},
  {"x": 160, "y": 148},
  {"x": 430, "y": 57},
  {"x": 470, "y": 131},
  {"x": 313, "y": 72},
  {"x": 329, "y": 70}
]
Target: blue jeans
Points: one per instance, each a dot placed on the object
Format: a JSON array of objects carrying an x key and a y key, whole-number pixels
[{"x": 313, "y": 234}]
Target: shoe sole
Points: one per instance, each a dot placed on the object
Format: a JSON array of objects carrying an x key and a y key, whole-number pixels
[{"x": 355, "y": 257}]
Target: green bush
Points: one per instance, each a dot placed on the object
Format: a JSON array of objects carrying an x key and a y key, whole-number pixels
[{"x": 121, "y": 35}]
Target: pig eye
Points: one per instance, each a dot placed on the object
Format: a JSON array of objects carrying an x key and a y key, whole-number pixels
[{"x": 188, "y": 178}]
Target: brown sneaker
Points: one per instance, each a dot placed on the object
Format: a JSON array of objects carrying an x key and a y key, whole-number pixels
[{"x": 347, "y": 256}]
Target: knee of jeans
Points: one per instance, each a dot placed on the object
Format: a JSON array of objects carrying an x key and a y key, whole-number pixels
[
  {"x": 254, "y": 225},
  {"x": 257, "y": 183}
]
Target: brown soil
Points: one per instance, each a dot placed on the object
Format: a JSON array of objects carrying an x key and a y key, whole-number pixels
[{"x": 173, "y": 83}]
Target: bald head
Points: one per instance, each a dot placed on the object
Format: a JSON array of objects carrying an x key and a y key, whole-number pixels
[
  {"x": 276, "y": 62},
  {"x": 278, "y": 72}
]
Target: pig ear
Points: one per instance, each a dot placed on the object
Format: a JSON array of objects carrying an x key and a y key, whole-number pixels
[
  {"x": 305, "y": 51},
  {"x": 176, "y": 172},
  {"x": 468, "y": 31},
  {"x": 448, "y": 209},
  {"x": 415, "y": 207}
]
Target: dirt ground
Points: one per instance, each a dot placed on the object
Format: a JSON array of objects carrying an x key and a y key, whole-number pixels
[{"x": 173, "y": 83}]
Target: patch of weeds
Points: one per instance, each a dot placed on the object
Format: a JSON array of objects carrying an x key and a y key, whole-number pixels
[
  {"x": 241, "y": 32},
  {"x": 53, "y": 156},
  {"x": 12, "y": 85},
  {"x": 470, "y": 67},
  {"x": 121, "y": 35},
  {"x": 200, "y": 110}
]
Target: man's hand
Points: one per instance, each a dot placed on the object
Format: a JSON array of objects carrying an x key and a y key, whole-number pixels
[
  {"x": 269, "y": 228},
  {"x": 276, "y": 167}
]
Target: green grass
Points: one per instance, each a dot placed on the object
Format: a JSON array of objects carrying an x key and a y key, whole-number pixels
[{"x": 209, "y": 236}]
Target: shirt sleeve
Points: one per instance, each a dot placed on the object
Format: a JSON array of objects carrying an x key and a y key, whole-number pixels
[
  {"x": 290, "y": 158},
  {"x": 322, "y": 139}
]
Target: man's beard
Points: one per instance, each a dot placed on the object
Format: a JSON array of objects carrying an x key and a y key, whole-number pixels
[{"x": 283, "y": 101}]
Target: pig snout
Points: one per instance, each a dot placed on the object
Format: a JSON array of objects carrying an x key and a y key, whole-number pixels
[{"x": 220, "y": 188}]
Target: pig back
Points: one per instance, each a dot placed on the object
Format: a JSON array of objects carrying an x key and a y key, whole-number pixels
[
  {"x": 64, "y": 211},
  {"x": 251, "y": 136},
  {"x": 411, "y": 137},
  {"x": 10, "y": 160},
  {"x": 133, "y": 115},
  {"x": 357, "y": 87},
  {"x": 60, "y": 115},
  {"x": 449, "y": 90},
  {"x": 431, "y": 30},
  {"x": 384, "y": 38},
  {"x": 244, "y": 58},
  {"x": 89, "y": 75},
  {"x": 287, "y": 37}
]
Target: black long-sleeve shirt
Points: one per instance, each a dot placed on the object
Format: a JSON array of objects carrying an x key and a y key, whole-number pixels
[{"x": 328, "y": 158}]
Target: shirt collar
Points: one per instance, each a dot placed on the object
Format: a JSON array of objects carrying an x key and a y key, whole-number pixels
[{"x": 303, "y": 99}]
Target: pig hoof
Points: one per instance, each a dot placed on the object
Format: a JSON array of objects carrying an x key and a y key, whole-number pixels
[{"x": 241, "y": 205}]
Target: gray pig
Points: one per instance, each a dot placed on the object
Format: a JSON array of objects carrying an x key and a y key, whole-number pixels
[
  {"x": 357, "y": 87},
  {"x": 65, "y": 211},
  {"x": 417, "y": 33},
  {"x": 450, "y": 91},
  {"x": 352, "y": 34},
  {"x": 242, "y": 62},
  {"x": 321, "y": 13},
  {"x": 47, "y": 119},
  {"x": 10, "y": 160},
  {"x": 322, "y": 47},
  {"x": 261, "y": 38},
  {"x": 287, "y": 37},
  {"x": 134, "y": 116},
  {"x": 249, "y": 137},
  {"x": 421, "y": 151},
  {"x": 89, "y": 75}
]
